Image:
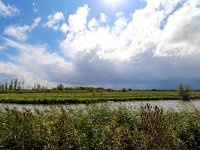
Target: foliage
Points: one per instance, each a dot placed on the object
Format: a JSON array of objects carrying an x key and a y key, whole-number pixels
[
  {"x": 60, "y": 87},
  {"x": 184, "y": 91},
  {"x": 99, "y": 127}
]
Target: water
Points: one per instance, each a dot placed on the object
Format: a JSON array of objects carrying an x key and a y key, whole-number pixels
[{"x": 175, "y": 105}]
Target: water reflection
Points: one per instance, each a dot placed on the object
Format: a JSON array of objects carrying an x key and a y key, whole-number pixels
[{"x": 167, "y": 105}]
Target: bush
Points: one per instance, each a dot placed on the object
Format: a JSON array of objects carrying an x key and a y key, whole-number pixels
[{"x": 184, "y": 91}]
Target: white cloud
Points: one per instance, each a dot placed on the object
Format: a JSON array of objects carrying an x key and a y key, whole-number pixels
[
  {"x": 21, "y": 32},
  {"x": 77, "y": 22},
  {"x": 93, "y": 23},
  {"x": 158, "y": 47},
  {"x": 64, "y": 28},
  {"x": 18, "y": 32},
  {"x": 35, "y": 64},
  {"x": 119, "y": 14},
  {"x": 36, "y": 22},
  {"x": 137, "y": 46},
  {"x": 119, "y": 25},
  {"x": 35, "y": 7},
  {"x": 181, "y": 35},
  {"x": 103, "y": 18},
  {"x": 6, "y": 10},
  {"x": 54, "y": 20}
]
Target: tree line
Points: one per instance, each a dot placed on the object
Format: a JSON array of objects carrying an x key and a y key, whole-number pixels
[{"x": 13, "y": 84}]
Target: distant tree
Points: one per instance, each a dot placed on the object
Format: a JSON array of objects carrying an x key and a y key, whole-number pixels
[
  {"x": 1, "y": 86},
  {"x": 129, "y": 89},
  {"x": 60, "y": 87},
  {"x": 124, "y": 90},
  {"x": 109, "y": 90},
  {"x": 6, "y": 85},
  {"x": 38, "y": 86},
  {"x": 11, "y": 85},
  {"x": 19, "y": 87},
  {"x": 15, "y": 84},
  {"x": 184, "y": 91}
]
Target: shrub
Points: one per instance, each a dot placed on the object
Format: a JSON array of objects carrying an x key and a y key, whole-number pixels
[{"x": 184, "y": 91}]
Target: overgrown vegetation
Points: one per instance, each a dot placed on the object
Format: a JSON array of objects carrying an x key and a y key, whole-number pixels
[
  {"x": 184, "y": 91},
  {"x": 14, "y": 91},
  {"x": 101, "y": 127}
]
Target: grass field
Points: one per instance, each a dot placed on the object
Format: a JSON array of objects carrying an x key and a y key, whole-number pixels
[
  {"x": 89, "y": 97},
  {"x": 100, "y": 128}
]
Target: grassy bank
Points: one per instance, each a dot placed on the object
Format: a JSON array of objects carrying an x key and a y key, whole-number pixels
[
  {"x": 89, "y": 97},
  {"x": 100, "y": 128}
]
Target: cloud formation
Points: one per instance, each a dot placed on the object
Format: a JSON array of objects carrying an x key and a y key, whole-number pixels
[
  {"x": 54, "y": 20},
  {"x": 21, "y": 32},
  {"x": 77, "y": 22},
  {"x": 36, "y": 65},
  {"x": 157, "y": 47},
  {"x": 138, "y": 46},
  {"x": 6, "y": 10}
]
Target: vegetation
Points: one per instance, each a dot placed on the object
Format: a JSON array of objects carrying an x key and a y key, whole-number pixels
[
  {"x": 184, "y": 91},
  {"x": 14, "y": 92},
  {"x": 14, "y": 84},
  {"x": 78, "y": 96},
  {"x": 101, "y": 127}
]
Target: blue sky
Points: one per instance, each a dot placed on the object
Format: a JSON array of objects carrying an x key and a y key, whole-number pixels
[{"x": 140, "y": 44}]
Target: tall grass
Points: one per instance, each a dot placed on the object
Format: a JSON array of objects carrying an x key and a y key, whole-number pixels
[{"x": 100, "y": 127}]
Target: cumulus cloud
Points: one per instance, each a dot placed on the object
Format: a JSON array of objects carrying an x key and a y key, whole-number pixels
[
  {"x": 77, "y": 22},
  {"x": 21, "y": 32},
  {"x": 64, "y": 28},
  {"x": 157, "y": 47},
  {"x": 103, "y": 18},
  {"x": 93, "y": 23},
  {"x": 155, "y": 38},
  {"x": 181, "y": 36},
  {"x": 7, "y": 10},
  {"x": 54, "y": 20},
  {"x": 143, "y": 33}
]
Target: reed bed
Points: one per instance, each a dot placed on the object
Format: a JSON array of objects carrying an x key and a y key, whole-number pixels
[{"x": 100, "y": 127}]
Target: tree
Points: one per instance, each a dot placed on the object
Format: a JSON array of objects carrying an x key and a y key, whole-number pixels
[
  {"x": 11, "y": 85},
  {"x": 184, "y": 91},
  {"x": 15, "y": 84},
  {"x": 60, "y": 87},
  {"x": 6, "y": 85}
]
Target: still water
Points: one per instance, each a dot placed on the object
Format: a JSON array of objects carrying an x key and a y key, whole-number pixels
[{"x": 175, "y": 105}]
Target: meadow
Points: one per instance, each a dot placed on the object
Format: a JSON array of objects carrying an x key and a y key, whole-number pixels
[
  {"x": 100, "y": 127},
  {"x": 83, "y": 96},
  {"x": 14, "y": 91}
]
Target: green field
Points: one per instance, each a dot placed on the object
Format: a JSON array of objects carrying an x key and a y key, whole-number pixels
[{"x": 89, "y": 97}]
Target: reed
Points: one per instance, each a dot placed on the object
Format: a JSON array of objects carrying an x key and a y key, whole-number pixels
[{"x": 99, "y": 127}]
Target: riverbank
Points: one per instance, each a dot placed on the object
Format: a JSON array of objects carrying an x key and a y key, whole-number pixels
[
  {"x": 100, "y": 127},
  {"x": 89, "y": 97}
]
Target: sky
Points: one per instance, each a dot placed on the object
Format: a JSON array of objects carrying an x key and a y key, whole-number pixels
[{"x": 138, "y": 44}]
